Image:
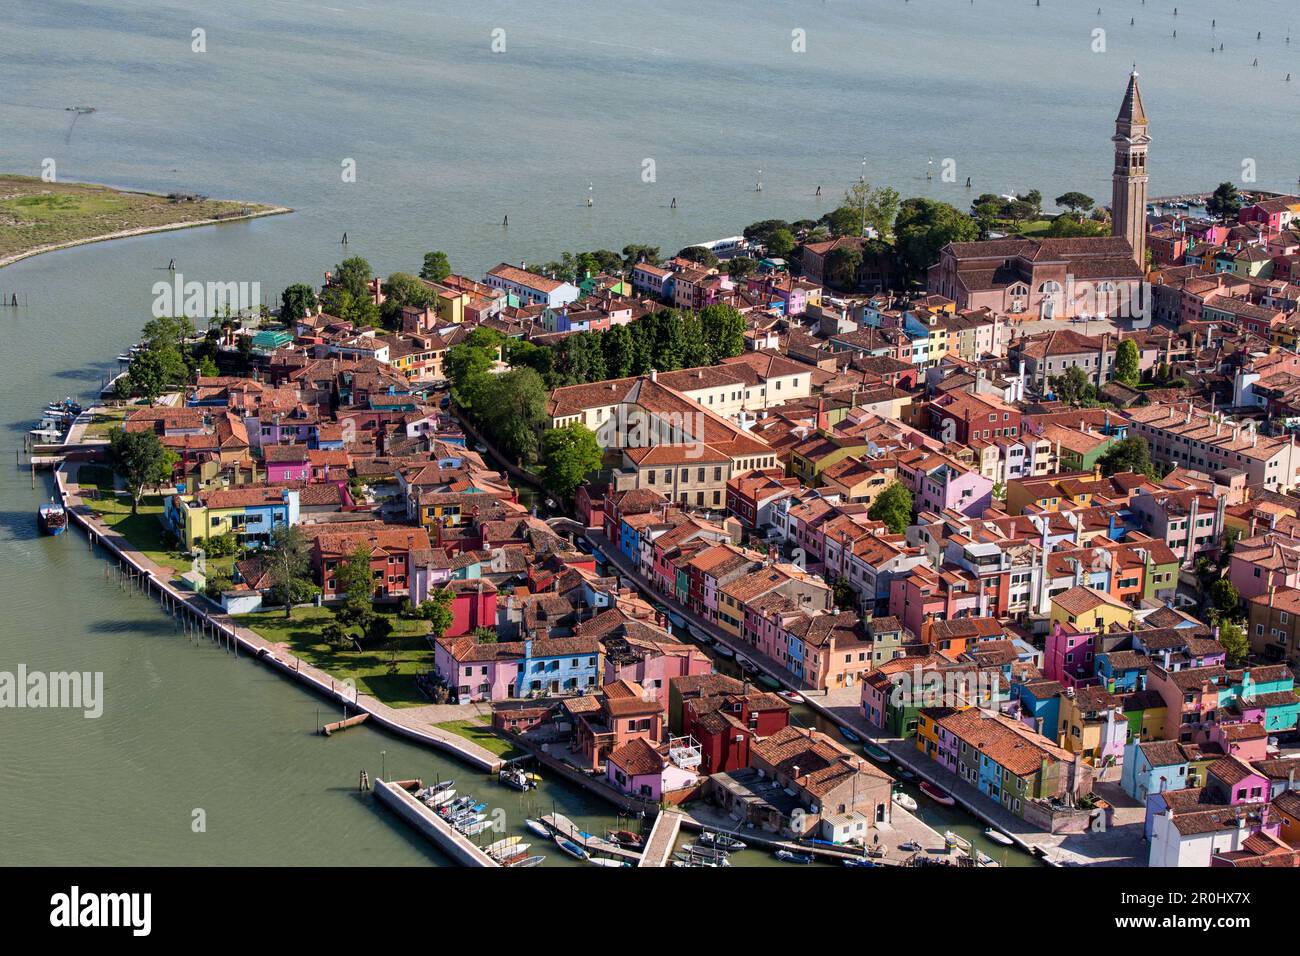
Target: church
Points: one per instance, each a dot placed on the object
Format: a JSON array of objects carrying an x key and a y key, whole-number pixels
[{"x": 1062, "y": 278}]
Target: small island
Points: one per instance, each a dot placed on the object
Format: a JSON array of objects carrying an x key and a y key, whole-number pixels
[{"x": 38, "y": 216}]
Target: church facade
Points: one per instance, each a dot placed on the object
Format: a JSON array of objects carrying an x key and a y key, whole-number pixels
[{"x": 1063, "y": 278}]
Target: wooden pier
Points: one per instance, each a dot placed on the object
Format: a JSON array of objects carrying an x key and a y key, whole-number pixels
[
  {"x": 563, "y": 826},
  {"x": 663, "y": 837},
  {"x": 338, "y": 725}
]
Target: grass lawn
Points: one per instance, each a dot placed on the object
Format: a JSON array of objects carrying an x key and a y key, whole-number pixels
[
  {"x": 482, "y": 734},
  {"x": 103, "y": 421},
  {"x": 34, "y": 213},
  {"x": 372, "y": 669},
  {"x": 143, "y": 530}
]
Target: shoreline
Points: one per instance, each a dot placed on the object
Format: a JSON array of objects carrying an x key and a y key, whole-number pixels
[{"x": 141, "y": 231}]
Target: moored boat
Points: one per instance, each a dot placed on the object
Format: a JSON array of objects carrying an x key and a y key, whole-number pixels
[
  {"x": 771, "y": 683},
  {"x": 699, "y": 634},
  {"x": 862, "y": 861},
  {"x": 538, "y": 828},
  {"x": 626, "y": 838},
  {"x": 52, "y": 518},
  {"x": 722, "y": 650},
  {"x": 878, "y": 754},
  {"x": 951, "y": 839},
  {"x": 723, "y": 841},
  {"x": 937, "y": 794},
  {"x": 849, "y": 735},
  {"x": 526, "y": 861},
  {"x": 568, "y": 846},
  {"x": 746, "y": 664},
  {"x": 605, "y": 861},
  {"x": 792, "y": 696},
  {"x": 905, "y": 801},
  {"x": 998, "y": 837},
  {"x": 789, "y": 856},
  {"x": 677, "y": 619}
]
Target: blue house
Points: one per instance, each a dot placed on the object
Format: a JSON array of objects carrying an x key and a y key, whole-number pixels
[
  {"x": 1041, "y": 701},
  {"x": 562, "y": 665},
  {"x": 1122, "y": 671},
  {"x": 1153, "y": 767}
]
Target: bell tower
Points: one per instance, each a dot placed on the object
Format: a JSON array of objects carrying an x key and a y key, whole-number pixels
[{"x": 1128, "y": 202}]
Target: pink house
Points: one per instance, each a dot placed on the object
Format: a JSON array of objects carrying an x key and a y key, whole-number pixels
[
  {"x": 639, "y": 769},
  {"x": 1246, "y": 740},
  {"x": 946, "y": 595},
  {"x": 1069, "y": 656},
  {"x": 951, "y": 486},
  {"x": 652, "y": 664},
  {"x": 478, "y": 671},
  {"x": 286, "y": 463}
]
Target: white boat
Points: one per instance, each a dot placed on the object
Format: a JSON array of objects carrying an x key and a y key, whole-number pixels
[
  {"x": 530, "y": 861},
  {"x": 904, "y": 801},
  {"x": 722, "y": 841},
  {"x": 474, "y": 828},
  {"x": 501, "y": 846},
  {"x": 792, "y": 696},
  {"x": 538, "y": 828},
  {"x": 704, "y": 852},
  {"x": 951, "y": 839},
  {"x": 47, "y": 434},
  {"x": 439, "y": 798},
  {"x": 745, "y": 663},
  {"x": 998, "y": 837},
  {"x": 983, "y": 859},
  {"x": 602, "y": 861}
]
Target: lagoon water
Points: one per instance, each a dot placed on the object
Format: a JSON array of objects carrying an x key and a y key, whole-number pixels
[{"x": 448, "y": 137}]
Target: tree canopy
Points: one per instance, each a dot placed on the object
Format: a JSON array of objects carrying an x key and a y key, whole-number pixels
[
  {"x": 568, "y": 455},
  {"x": 140, "y": 459},
  {"x": 893, "y": 507},
  {"x": 923, "y": 227}
]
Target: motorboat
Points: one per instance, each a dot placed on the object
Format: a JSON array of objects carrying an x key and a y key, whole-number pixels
[
  {"x": 440, "y": 798},
  {"x": 905, "y": 801},
  {"x": 862, "y": 861},
  {"x": 789, "y": 856},
  {"x": 515, "y": 779},
  {"x": 790, "y": 696},
  {"x": 527, "y": 861},
  {"x": 443, "y": 785},
  {"x": 983, "y": 859},
  {"x": 937, "y": 794},
  {"x": 850, "y": 736},
  {"x": 951, "y": 840},
  {"x": 538, "y": 828},
  {"x": 476, "y": 827},
  {"x": 568, "y": 846},
  {"x": 723, "y": 841},
  {"x": 606, "y": 861},
  {"x": 715, "y": 854},
  {"x": 505, "y": 846},
  {"x": 998, "y": 837},
  {"x": 902, "y": 773}
]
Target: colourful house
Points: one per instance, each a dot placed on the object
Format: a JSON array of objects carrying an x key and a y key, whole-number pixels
[
  {"x": 1087, "y": 609},
  {"x": 251, "y": 514}
]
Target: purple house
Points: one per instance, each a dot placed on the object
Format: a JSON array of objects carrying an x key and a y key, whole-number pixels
[
  {"x": 951, "y": 486},
  {"x": 286, "y": 463},
  {"x": 639, "y": 769}
]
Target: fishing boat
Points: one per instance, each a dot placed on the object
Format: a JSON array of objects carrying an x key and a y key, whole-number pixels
[
  {"x": 937, "y": 794},
  {"x": 723, "y": 650},
  {"x": 605, "y": 861},
  {"x": 515, "y": 779},
  {"x": 878, "y": 754},
  {"x": 438, "y": 799},
  {"x": 443, "y": 785},
  {"x": 789, "y": 856},
  {"x": 723, "y": 841},
  {"x": 626, "y": 838},
  {"x": 538, "y": 828},
  {"x": 699, "y": 634},
  {"x": 568, "y": 846},
  {"x": 792, "y": 696},
  {"x": 998, "y": 837},
  {"x": 52, "y": 518},
  {"x": 905, "y": 801},
  {"x": 850, "y": 736}
]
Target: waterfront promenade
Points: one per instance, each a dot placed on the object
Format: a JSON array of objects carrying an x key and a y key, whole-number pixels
[
  {"x": 413, "y": 723},
  {"x": 1121, "y": 845}
]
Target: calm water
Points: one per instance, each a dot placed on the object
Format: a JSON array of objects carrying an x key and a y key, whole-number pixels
[{"x": 448, "y": 137}]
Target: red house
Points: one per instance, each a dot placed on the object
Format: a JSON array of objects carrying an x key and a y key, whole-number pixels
[
  {"x": 726, "y": 725},
  {"x": 475, "y": 605}
]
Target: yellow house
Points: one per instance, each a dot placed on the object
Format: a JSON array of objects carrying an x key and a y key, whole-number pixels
[
  {"x": 250, "y": 513},
  {"x": 1087, "y": 609},
  {"x": 857, "y": 480},
  {"x": 818, "y": 452}
]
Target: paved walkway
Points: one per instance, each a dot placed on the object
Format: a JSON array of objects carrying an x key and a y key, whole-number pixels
[{"x": 412, "y": 722}]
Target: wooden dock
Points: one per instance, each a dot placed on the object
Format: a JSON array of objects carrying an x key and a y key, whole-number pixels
[
  {"x": 562, "y": 825},
  {"x": 338, "y": 725}
]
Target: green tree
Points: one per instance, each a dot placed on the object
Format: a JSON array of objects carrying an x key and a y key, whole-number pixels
[
  {"x": 893, "y": 507},
  {"x": 148, "y": 374},
  {"x": 356, "y": 582},
  {"x": 335, "y": 634},
  {"x": 402, "y": 289},
  {"x": 1076, "y": 202},
  {"x": 289, "y": 567},
  {"x": 761, "y": 232},
  {"x": 216, "y": 584},
  {"x": 843, "y": 267},
  {"x": 619, "y": 351},
  {"x": 780, "y": 244},
  {"x": 724, "y": 331},
  {"x": 740, "y": 267},
  {"x": 512, "y": 409},
  {"x": 354, "y": 275},
  {"x": 1131, "y": 454},
  {"x": 435, "y": 267},
  {"x": 923, "y": 227},
  {"x": 1073, "y": 386},
  {"x": 437, "y": 611},
  {"x": 1066, "y": 226},
  {"x": 297, "y": 302},
  {"x": 1126, "y": 363},
  {"x": 632, "y": 254},
  {"x": 699, "y": 254},
  {"x": 1225, "y": 598},
  {"x": 140, "y": 459},
  {"x": 1234, "y": 643},
  {"x": 1225, "y": 202},
  {"x": 568, "y": 455}
]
